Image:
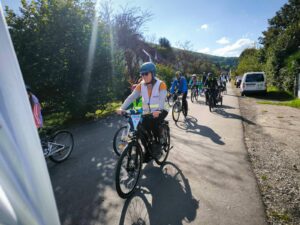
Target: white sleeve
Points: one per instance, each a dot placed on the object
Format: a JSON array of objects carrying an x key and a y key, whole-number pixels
[{"x": 134, "y": 95}]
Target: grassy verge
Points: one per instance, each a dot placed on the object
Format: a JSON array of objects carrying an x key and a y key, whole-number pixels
[
  {"x": 293, "y": 103},
  {"x": 100, "y": 113},
  {"x": 56, "y": 121},
  {"x": 278, "y": 97}
]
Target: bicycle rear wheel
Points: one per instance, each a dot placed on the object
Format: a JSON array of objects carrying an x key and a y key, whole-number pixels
[
  {"x": 176, "y": 111},
  {"x": 196, "y": 96},
  {"x": 128, "y": 170},
  {"x": 120, "y": 140},
  {"x": 165, "y": 134},
  {"x": 62, "y": 144}
]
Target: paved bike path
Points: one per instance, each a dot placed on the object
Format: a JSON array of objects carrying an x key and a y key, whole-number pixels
[{"x": 207, "y": 179}]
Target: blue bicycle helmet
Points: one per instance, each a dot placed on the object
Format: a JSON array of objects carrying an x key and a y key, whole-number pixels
[{"x": 148, "y": 67}]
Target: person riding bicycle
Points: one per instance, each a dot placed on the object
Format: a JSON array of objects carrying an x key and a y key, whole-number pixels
[
  {"x": 153, "y": 92},
  {"x": 223, "y": 80},
  {"x": 211, "y": 84},
  {"x": 193, "y": 82},
  {"x": 182, "y": 89},
  {"x": 35, "y": 107}
]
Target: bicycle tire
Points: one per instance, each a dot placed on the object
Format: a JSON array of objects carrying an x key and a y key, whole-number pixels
[
  {"x": 176, "y": 106},
  {"x": 55, "y": 139},
  {"x": 197, "y": 96},
  {"x": 137, "y": 201},
  {"x": 115, "y": 147},
  {"x": 139, "y": 157},
  {"x": 165, "y": 151}
]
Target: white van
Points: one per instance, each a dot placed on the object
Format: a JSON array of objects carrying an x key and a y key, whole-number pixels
[{"x": 254, "y": 82}]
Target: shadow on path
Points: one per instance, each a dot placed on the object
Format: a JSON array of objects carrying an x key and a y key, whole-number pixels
[
  {"x": 192, "y": 126},
  {"x": 80, "y": 183},
  {"x": 225, "y": 114},
  {"x": 164, "y": 197}
]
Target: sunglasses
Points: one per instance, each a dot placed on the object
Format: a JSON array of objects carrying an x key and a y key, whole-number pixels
[{"x": 145, "y": 74}]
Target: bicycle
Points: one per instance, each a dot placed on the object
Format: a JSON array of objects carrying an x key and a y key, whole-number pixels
[
  {"x": 194, "y": 94},
  {"x": 177, "y": 109},
  {"x": 121, "y": 138},
  {"x": 223, "y": 88},
  {"x": 131, "y": 159},
  {"x": 57, "y": 147},
  {"x": 170, "y": 99},
  {"x": 212, "y": 99}
]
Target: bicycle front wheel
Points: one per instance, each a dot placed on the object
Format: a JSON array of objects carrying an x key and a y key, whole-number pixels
[
  {"x": 121, "y": 140},
  {"x": 176, "y": 111},
  {"x": 62, "y": 144},
  {"x": 165, "y": 134},
  {"x": 128, "y": 170}
]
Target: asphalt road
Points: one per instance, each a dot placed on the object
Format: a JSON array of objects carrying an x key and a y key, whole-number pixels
[{"x": 207, "y": 179}]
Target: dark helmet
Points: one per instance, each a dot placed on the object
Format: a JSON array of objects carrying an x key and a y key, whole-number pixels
[{"x": 148, "y": 67}]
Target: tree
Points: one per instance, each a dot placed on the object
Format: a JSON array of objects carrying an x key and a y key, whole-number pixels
[
  {"x": 249, "y": 60},
  {"x": 281, "y": 41},
  {"x": 164, "y": 43}
]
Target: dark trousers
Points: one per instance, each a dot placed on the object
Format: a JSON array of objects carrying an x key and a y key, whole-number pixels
[
  {"x": 184, "y": 103},
  {"x": 152, "y": 124}
]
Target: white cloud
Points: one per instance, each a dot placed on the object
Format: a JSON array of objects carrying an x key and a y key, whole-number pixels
[
  {"x": 234, "y": 49},
  {"x": 223, "y": 41},
  {"x": 204, "y": 27},
  {"x": 204, "y": 50}
]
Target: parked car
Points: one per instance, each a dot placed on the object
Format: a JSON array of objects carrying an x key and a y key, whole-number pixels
[
  {"x": 254, "y": 82},
  {"x": 237, "y": 81}
]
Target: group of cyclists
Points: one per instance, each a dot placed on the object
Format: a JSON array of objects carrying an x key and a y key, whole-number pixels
[{"x": 150, "y": 95}]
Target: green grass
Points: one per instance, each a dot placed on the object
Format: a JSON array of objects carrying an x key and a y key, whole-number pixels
[
  {"x": 293, "y": 103},
  {"x": 264, "y": 177},
  {"x": 100, "y": 113},
  {"x": 278, "y": 97},
  {"x": 281, "y": 216},
  {"x": 56, "y": 121}
]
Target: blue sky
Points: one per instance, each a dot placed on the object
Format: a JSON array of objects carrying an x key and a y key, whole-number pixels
[{"x": 218, "y": 27}]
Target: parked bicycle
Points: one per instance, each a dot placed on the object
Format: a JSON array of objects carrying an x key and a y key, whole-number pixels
[
  {"x": 58, "y": 146},
  {"x": 129, "y": 165}
]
